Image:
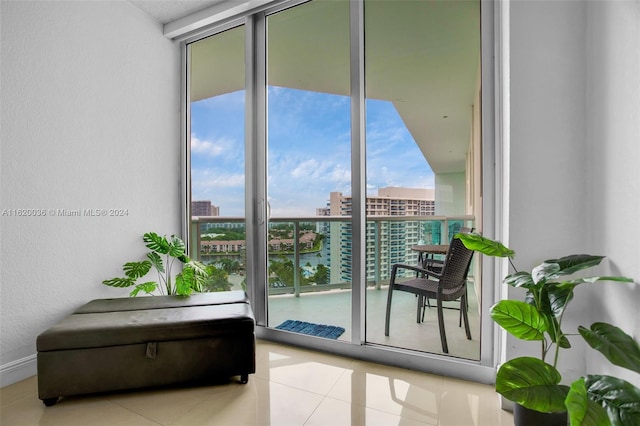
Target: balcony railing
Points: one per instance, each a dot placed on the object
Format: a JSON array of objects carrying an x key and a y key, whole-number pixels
[{"x": 389, "y": 240}]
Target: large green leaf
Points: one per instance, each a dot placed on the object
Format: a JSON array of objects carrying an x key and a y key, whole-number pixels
[
  {"x": 156, "y": 243},
  {"x": 520, "y": 279},
  {"x": 545, "y": 271},
  {"x": 198, "y": 267},
  {"x": 582, "y": 410},
  {"x": 520, "y": 319},
  {"x": 136, "y": 270},
  {"x": 185, "y": 281},
  {"x": 485, "y": 245},
  {"x": 558, "y": 297},
  {"x": 533, "y": 384},
  {"x": 617, "y": 346},
  {"x": 543, "y": 306},
  {"x": 148, "y": 288},
  {"x": 156, "y": 261},
  {"x": 575, "y": 262},
  {"x": 176, "y": 247},
  {"x": 570, "y": 284},
  {"x": 119, "y": 282},
  {"x": 200, "y": 274},
  {"x": 619, "y": 398}
]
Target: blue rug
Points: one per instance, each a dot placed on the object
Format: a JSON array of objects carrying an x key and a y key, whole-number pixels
[{"x": 326, "y": 331}]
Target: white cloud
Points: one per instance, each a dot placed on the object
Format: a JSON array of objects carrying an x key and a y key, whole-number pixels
[
  {"x": 204, "y": 180},
  {"x": 209, "y": 148},
  {"x": 307, "y": 169}
]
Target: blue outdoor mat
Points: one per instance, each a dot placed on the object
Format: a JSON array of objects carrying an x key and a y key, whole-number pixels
[{"x": 327, "y": 331}]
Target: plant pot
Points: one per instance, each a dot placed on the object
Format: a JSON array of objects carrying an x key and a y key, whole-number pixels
[{"x": 523, "y": 416}]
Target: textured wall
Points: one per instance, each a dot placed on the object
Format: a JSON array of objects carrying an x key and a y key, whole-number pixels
[
  {"x": 575, "y": 145},
  {"x": 90, "y": 120},
  {"x": 548, "y": 198},
  {"x": 613, "y": 110}
]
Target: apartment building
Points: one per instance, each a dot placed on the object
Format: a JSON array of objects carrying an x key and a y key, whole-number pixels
[
  {"x": 387, "y": 241},
  {"x": 204, "y": 208}
]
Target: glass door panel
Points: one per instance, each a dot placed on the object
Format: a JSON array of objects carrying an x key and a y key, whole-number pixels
[
  {"x": 217, "y": 156},
  {"x": 422, "y": 82},
  {"x": 309, "y": 178}
]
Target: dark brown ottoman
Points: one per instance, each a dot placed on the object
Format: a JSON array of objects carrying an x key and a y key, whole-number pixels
[{"x": 128, "y": 343}]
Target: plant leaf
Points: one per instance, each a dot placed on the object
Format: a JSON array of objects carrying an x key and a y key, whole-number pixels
[
  {"x": 619, "y": 398},
  {"x": 176, "y": 247},
  {"x": 544, "y": 272},
  {"x": 617, "y": 346},
  {"x": 198, "y": 267},
  {"x": 185, "y": 281},
  {"x": 589, "y": 280},
  {"x": 582, "y": 410},
  {"x": 520, "y": 319},
  {"x": 533, "y": 384},
  {"x": 156, "y": 261},
  {"x": 558, "y": 297},
  {"x": 135, "y": 270},
  {"x": 148, "y": 288},
  {"x": 575, "y": 262},
  {"x": 485, "y": 245},
  {"x": 520, "y": 279},
  {"x": 119, "y": 282},
  {"x": 156, "y": 243}
]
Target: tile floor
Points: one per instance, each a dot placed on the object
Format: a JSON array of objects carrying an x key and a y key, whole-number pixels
[
  {"x": 292, "y": 386},
  {"x": 334, "y": 308}
]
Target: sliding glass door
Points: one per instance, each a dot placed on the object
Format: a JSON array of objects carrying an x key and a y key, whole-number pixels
[
  {"x": 308, "y": 152},
  {"x": 217, "y": 157},
  {"x": 327, "y": 140},
  {"x": 422, "y": 64}
]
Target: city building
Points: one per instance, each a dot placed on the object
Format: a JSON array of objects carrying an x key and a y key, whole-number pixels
[
  {"x": 204, "y": 208},
  {"x": 388, "y": 241}
]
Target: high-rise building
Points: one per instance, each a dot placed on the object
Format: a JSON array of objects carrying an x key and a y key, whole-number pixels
[
  {"x": 394, "y": 238},
  {"x": 204, "y": 208}
]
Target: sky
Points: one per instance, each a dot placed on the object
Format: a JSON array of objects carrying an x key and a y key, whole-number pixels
[{"x": 309, "y": 152}]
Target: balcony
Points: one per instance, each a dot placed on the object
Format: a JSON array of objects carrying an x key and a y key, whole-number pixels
[{"x": 326, "y": 298}]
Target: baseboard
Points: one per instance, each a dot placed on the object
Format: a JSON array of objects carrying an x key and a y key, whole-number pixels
[
  {"x": 18, "y": 370},
  {"x": 505, "y": 404}
]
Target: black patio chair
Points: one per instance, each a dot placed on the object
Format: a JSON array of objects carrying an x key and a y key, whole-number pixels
[{"x": 450, "y": 284}]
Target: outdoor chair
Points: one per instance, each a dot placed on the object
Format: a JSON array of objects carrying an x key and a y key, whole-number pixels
[
  {"x": 450, "y": 284},
  {"x": 435, "y": 265}
]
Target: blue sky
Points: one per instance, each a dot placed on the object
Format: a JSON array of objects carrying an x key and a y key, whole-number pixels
[{"x": 309, "y": 152}]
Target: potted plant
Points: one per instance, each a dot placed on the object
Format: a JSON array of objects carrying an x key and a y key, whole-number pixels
[
  {"x": 601, "y": 399},
  {"x": 534, "y": 383},
  {"x": 164, "y": 253}
]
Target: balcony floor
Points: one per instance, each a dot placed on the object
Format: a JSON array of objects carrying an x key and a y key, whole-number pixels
[{"x": 333, "y": 308}]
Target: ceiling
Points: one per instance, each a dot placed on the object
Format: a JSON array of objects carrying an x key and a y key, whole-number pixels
[
  {"x": 421, "y": 56},
  {"x": 165, "y": 11}
]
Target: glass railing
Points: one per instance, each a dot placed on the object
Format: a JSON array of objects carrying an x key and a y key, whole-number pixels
[{"x": 322, "y": 246}]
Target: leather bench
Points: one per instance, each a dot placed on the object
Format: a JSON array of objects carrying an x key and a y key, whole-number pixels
[{"x": 129, "y": 343}]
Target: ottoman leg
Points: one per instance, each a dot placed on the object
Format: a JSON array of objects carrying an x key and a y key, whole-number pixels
[
  {"x": 48, "y": 402},
  {"x": 244, "y": 378}
]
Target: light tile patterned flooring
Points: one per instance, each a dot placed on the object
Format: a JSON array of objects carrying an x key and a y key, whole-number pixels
[{"x": 292, "y": 386}]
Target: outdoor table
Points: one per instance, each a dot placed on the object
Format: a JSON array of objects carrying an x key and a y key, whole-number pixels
[{"x": 426, "y": 250}]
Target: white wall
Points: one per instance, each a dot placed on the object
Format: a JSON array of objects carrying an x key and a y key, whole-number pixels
[
  {"x": 450, "y": 194},
  {"x": 548, "y": 198},
  {"x": 575, "y": 155},
  {"x": 613, "y": 180},
  {"x": 90, "y": 119}
]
